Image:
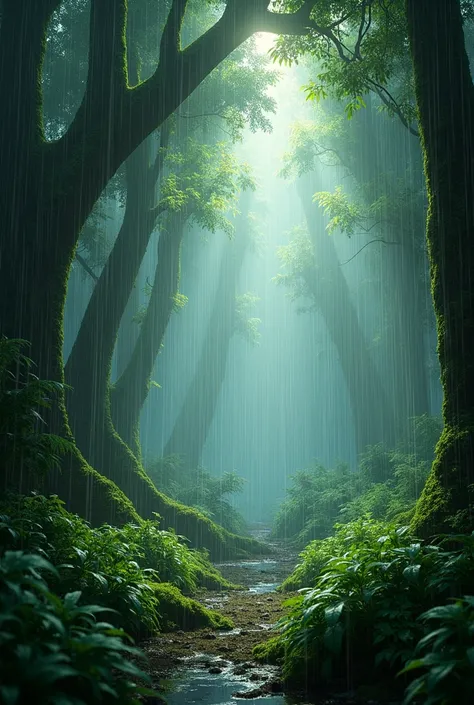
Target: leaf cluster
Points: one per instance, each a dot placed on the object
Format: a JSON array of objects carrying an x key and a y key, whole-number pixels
[
  {"x": 245, "y": 324},
  {"x": 197, "y": 488},
  {"x": 372, "y": 582},
  {"x": 24, "y": 399},
  {"x": 54, "y": 649},
  {"x": 204, "y": 181}
]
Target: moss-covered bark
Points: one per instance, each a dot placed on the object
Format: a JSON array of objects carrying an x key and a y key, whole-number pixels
[{"x": 445, "y": 100}]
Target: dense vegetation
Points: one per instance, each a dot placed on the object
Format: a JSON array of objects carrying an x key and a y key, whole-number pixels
[
  {"x": 59, "y": 575},
  {"x": 374, "y": 602},
  {"x": 386, "y": 485},
  {"x": 196, "y": 487},
  {"x": 119, "y": 124}
]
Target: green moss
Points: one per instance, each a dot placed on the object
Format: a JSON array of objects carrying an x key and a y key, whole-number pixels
[
  {"x": 446, "y": 502},
  {"x": 209, "y": 577},
  {"x": 270, "y": 651},
  {"x": 179, "y": 612},
  {"x": 201, "y": 531}
]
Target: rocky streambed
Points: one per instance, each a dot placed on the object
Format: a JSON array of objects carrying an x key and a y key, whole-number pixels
[{"x": 216, "y": 667}]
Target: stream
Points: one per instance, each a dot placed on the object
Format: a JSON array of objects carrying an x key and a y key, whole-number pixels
[{"x": 216, "y": 668}]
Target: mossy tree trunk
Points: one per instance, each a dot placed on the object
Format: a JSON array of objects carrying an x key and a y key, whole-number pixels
[
  {"x": 49, "y": 189},
  {"x": 445, "y": 100},
  {"x": 372, "y": 412},
  {"x": 130, "y": 391}
]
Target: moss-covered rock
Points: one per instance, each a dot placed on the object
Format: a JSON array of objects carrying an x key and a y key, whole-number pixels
[
  {"x": 270, "y": 651},
  {"x": 179, "y": 612}
]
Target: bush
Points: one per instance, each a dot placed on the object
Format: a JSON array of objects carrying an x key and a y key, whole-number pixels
[
  {"x": 387, "y": 484},
  {"x": 53, "y": 649},
  {"x": 110, "y": 566},
  {"x": 446, "y": 656},
  {"x": 358, "y": 620},
  {"x": 198, "y": 488},
  {"x": 23, "y": 443}
]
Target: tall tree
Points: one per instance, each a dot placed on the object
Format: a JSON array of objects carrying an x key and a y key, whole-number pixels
[
  {"x": 49, "y": 187},
  {"x": 313, "y": 271},
  {"x": 195, "y": 417},
  {"x": 445, "y": 100}
]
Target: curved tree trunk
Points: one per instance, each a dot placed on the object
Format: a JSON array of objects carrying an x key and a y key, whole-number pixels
[
  {"x": 371, "y": 409},
  {"x": 445, "y": 99},
  {"x": 194, "y": 420},
  {"x": 129, "y": 393}
]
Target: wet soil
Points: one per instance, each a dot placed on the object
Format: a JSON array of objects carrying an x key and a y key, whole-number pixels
[
  {"x": 253, "y": 610},
  {"x": 207, "y": 667}
]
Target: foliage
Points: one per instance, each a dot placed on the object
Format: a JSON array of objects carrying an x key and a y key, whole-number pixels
[
  {"x": 53, "y": 649},
  {"x": 198, "y": 488},
  {"x": 446, "y": 655},
  {"x": 23, "y": 442},
  {"x": 368, "y": 584},
  {"x": 300, "y": 267},
  {"x": 387, "y": 484},
  {"x": 246, "y": 325},
  {"x": 356, "y": 47},
  {"x": 113, "y": 567},
  {"x": 204, "y": 181}
]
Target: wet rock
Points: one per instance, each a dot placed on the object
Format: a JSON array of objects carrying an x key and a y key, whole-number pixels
[
  {"x": 215, "y": 670},
  {"x": 256, "y": 677},
  {"x": 209, "y": 635},
  {"x": 244, "y": 632},
  {"x": 239, "y": 671},
  {"x": 265, "y": 614},
  {"x": 269, "y": 599},
  {"x": 273, "y": 687}
]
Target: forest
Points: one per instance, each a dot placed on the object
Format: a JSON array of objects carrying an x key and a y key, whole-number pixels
[{"x": 236, "y": 352}]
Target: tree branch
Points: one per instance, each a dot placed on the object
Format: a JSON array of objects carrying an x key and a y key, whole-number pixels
[
  {"x": 86, "y": 267},
  {"x": 22, "y": 45},
  {"x": 385, "y": 242},
  {"x": 388, "y": 100},
  {"x": 107, "y": 75},
  {"x": 170, "y": 45}
]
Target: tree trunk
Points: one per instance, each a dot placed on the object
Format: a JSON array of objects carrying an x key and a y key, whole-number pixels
[
  {"x": 445, "y": 100},
  {"x": 88, "y": 367},
  {"x": 371, "y": 410},
  {"x": 192, "y": 426},
  {"x": 131, "y": 390}
]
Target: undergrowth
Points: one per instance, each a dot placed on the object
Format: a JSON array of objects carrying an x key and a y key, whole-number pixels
[
  {"x": 371, "y": 595},
  {"x": 387, "y": 484},
  {"x": 197, "y": 488}
]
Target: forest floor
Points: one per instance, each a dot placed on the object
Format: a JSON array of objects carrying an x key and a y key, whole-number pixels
[
  {"x": 214, "y": 667},
  {"x": 253, "y": 610}
]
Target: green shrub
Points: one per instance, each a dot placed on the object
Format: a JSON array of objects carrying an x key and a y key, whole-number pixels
[
  {"x": 196, "y": 487},
  {"x": 53, "y": 649},
  {"x": 316, "y": 555},
  {"x": 359, "y": 618},
  {"x": 445, "y": 655},
  {"x": 24, "y": 445},
  {"x": 387, "y": 484},
  {"x": 110, "y": 566}
]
